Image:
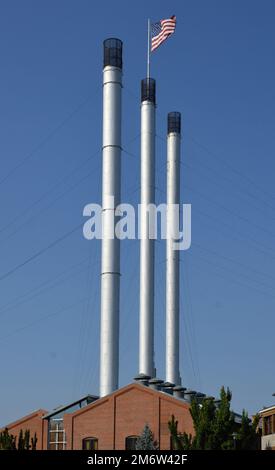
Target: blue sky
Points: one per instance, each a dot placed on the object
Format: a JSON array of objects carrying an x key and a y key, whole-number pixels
[{"x": 218, "y": 70}]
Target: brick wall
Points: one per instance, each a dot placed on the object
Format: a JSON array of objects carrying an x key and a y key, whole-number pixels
[
  {"x": 113, "y": 418},
  {"x": 124, "y": 413},
  {"x": 32, "y": 422}
]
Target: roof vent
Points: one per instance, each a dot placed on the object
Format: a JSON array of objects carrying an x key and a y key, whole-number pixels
[
  {"x": 142, "y": 379},
  {"x": 167, "y": 387},
  {"x": 155, "y": 383},
  {"x": 200, "y": 397},
  {"x": 178, "y": 391},
  {"x": 189, "y": 395}
]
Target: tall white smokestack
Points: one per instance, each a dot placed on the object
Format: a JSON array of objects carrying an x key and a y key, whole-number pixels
[
  {"x": 172, "y": 256},
  {"x": 146, "y": 327},
  {"x": 111, "y": 181}
]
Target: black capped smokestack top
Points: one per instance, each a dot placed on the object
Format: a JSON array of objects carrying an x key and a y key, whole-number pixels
[
  {"x": 209, "y": 397},
  {"x": 167, "y": 387},
  {"x": 142, "y": 379},
  {"x": 200, "y": 397},
  {"x": 155, "y": 383},
  {"x": 174, "y": 122},
  {"x": 178, "y": 391},
  {"x": 189, "y": 395},
  {"x": 148, "y": 90},
  {"x": 112, "y": 52}
]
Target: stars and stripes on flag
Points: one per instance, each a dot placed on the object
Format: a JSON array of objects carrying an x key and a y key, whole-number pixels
[{"x": 161, "y": 31}]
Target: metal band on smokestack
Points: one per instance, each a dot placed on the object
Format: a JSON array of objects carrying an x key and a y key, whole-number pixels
[
  {"x": 146, "y": 327},
  {"x": 111, "y": 181},
  {"x": 172, "y": 256}
]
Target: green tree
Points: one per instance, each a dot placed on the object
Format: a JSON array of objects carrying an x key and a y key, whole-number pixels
[
  {"x": 24, "y": 440},
  {"x": 179, "y": 441},
  {"x": 247, "y": 437},
  {"x": 215, "y": 427},
  {"x": 224, "y": 423},
  {"x": 21, "y": 441},
  {"x": 146, "y": 440},
  {"x": 8, "y": 441},
  {"x": 27, "y": 440},
  {"x": 34, "y": 442}
]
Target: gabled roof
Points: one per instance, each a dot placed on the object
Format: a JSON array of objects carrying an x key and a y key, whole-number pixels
[
  {"x": 127, "y": 388},
  {"x": 145, "y": 389},
  {"x": 269, "y": 408},
  {"x": 31, "y": 415}
]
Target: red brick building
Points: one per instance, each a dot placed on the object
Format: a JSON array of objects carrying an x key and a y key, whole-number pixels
[
  {"x": 267, "y": 416},
  {"x": 112, "y": 422}
]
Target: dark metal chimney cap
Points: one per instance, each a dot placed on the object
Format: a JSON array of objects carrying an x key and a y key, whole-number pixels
[
  {"x": 148, "y": 90},
  {"x": 174, "y": 122},
  {"x": 168, "y": 385},
  {"x": 200, "y": 395},
  {"x": 190, "y": 392},
  {"x": 112, "y": 52},
  {"x": 179, "y": 388},
  {"x": 156, "y": 381},
  {"x": 142, "y": 377}
]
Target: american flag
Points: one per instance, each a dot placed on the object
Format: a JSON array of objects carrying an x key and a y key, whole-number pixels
[{"x": 161, "y": 30}]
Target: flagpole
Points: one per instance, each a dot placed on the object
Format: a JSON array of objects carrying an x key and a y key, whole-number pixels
[{"x": 148, "y": 48}]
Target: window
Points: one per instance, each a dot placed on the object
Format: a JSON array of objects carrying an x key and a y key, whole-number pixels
[
  {"x": 90, "y": 443},
  {"x": 57, "y": 437},
  {"x": 267, "y": 425},
  {"x": 130, "y": 442}
]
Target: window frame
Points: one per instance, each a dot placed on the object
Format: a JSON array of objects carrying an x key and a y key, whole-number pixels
[
  {"x": 128, "y": 438},
  {"x": 54, "y": 435},
  {"x": 268, "y": 425},
  {"x": 89, "y": 439}
]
